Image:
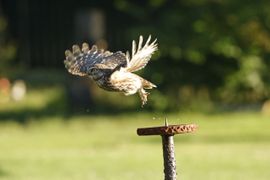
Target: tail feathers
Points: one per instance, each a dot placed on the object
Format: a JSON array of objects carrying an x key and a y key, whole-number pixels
[{"x": 148, "y": 84}]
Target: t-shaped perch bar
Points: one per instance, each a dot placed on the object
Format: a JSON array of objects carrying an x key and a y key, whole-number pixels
[{"x": 167, "y": 132}]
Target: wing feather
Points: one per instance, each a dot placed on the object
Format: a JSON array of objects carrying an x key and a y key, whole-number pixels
[
  {"x": 133, "y": 48},
  {"x": 140, "y": 55},
  {"x": 79, "y": 61}
]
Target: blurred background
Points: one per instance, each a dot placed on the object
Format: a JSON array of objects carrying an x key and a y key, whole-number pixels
[{"x": 212, "y": 68}]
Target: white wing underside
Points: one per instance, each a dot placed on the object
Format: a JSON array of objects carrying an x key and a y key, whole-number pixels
[{"x": 140, "y": 55}]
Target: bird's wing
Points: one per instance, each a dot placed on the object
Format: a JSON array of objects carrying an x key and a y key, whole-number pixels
[
  {"x": 140, "y": 55},
  {"x": 79, "y": 61},
  {"x": 115, "y": 61}
]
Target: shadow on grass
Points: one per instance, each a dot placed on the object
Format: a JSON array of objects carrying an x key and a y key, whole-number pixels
[
  {"x": 24, "y": 115},
  {"x": 61, "y": 107},
  {"x": 3, "y": 173}
]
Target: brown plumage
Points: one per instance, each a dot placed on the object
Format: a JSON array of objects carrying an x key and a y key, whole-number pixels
[{"x": 113, "y": 71}]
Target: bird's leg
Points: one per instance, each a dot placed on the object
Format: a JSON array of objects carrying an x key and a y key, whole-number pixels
[{"x": 143, "y": 95}]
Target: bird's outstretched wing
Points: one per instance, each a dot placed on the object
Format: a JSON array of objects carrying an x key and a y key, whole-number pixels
[
  {"x": 140, "y": 55},
  {"x": 79, "y": 61}
]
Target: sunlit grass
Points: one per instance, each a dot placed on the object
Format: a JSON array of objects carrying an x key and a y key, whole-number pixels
[{"x": 227, "y": 146}]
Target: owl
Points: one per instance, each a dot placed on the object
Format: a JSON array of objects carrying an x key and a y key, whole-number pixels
[{"x": 113, "y": 71}]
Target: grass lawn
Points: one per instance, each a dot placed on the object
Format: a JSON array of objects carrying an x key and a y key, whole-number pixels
[
  {"x": 226, "y": 146},
  {"x": 36, "y": 143}
]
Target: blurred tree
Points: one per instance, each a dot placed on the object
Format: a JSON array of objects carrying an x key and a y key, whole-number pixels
[
  {"x": 213, "y": 49},
  {"x": 210, "y": 50},
  {"x": 7, "y": 47}
]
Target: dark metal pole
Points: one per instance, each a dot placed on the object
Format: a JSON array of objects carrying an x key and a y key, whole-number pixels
[
  {"x": 169, "y": 157},
  {"x": 167, "y": 132}
]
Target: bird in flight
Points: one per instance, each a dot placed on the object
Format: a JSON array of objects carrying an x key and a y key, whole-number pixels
[{"x": 113, "y": 71}]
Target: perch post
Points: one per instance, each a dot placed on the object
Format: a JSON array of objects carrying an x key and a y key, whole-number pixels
[{"x": 167, "y": 132}]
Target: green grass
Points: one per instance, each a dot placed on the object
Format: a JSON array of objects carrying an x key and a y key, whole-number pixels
[
  {"x": 226, "y": 146},
  {"x": 37, "y": 142}
]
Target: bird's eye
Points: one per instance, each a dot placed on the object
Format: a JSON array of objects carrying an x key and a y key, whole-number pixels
[{"x": 92, "y": 70}]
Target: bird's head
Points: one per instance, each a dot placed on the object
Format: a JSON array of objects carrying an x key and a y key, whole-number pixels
[{"x": 98, "y": 71}]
